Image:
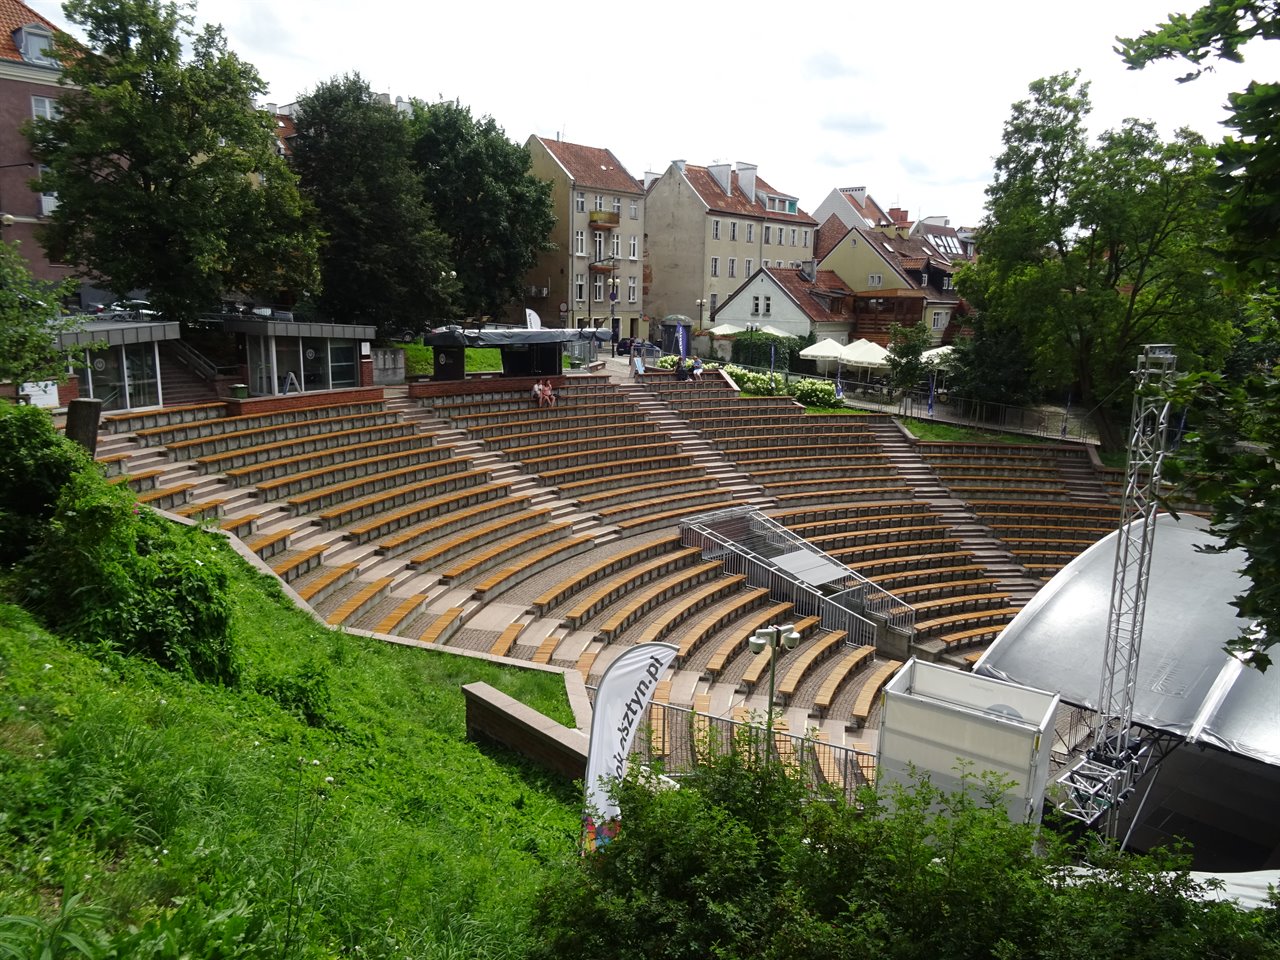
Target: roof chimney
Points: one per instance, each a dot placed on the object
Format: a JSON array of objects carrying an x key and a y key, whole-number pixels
[
  {"x": 649, "y": 177},
  {"x": 747, "y": 180},
  {"x": 679, "y": 165},
  {"x": 809, "y": 270},
  {"x": 270, "y": 108},
  {"x": 720, "y": 172},
  {"x": 858, "y": 193}
]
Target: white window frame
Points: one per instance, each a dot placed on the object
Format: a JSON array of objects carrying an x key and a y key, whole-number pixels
[
  {"x": 715, "y": 266},
  {"x": 875, "y": 279},
  {"x": 45, "y": 108},
  {"x": 751, "y": 233},
  {"x": 755, "y": 306},
  {"x": 580, "y": 202},
  {"x": 579, "y": 287},
  {"x": 635, "y": 247},
  {"x": 633, "y": 290},
  {"x": 793, "y": 236},
  {"x": 733, "y": 267},
  {"x": 747, "y": 271},
  {"x": 768, "y": 232},
  {"x": 600, "y": 201},
  {"x": 615, "y": 245},
  {"x": 715, "y": 229},
  {"x": 597, "y": 243},
  {"x": 805, "y": 238},
  {"x": 617, "y": 205},
  {"x": 635, "y": 210},
  {"x": 733, "y": 230},
  {"x": 597, "y": 288},
  {"x": 580, "y": 243},
  {"x": 768, "y": 306},
  {"x": 939, "y": 321},
  {"x": 43, "y": 52},
  {"x": 48, "y": 201}
]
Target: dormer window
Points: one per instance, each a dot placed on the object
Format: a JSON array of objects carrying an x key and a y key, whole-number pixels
[{"x": 35, "y": 43}]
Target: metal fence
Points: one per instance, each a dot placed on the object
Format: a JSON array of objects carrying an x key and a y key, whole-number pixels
[
  {"x": 681, "y": 738},
  {"x": 746, "y": 542}
]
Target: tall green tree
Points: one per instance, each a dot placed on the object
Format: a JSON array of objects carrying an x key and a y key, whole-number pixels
[
  {"x": 167, "y": 178},
  {"x": 384, "y": 260},
  {"x": 907, "y": 369},
  {"x": 1231, "y": 461},
  {"x": 1092, "y": 249},
  {"x": 30, "y": 321},
  {"x": 496, "y": 215}
]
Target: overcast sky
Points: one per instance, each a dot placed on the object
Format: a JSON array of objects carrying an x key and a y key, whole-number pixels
[{"x": 908, "y": 100}]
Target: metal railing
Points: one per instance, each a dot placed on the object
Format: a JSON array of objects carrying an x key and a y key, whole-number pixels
[
  {"x": 746, "y": 542},
  {"x": 197, "y": 362},
  {"x": 682, "y": 738}
]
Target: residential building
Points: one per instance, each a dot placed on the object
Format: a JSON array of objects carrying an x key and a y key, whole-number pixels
[
  {"x": 944, "y": 238},
  {"x": 28, "y": 88},
  {"x": 593, "y": 275},
  {"x": 794, "y": 301},
  {"x": 896, "y": 278},
  {"x": 853, "y": 207},
  {"x": 711, "y": 228}
]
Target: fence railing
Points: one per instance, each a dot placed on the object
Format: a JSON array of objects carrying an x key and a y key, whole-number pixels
[{"x": 682, "y": 738}]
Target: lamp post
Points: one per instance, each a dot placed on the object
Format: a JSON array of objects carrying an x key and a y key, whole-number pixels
[
  {"x": 613, "y": 283},
  {"x": 771, "y": 638},
  {"x": 700, "y": 303}
]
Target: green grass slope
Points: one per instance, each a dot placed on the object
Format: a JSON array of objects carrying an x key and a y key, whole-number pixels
[{"x": 330, "y": 806}]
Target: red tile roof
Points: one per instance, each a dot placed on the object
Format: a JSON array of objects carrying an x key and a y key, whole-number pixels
[
  {"x": 910, "y": 253},
  {"x": 828, "y": 236},
  {"x": 816, "y": 297},
  {"x": 14, "y": 14},
  {"x": 736, "y": 202},
  {"x": 593, "y": 167},
  {"x": 869, "y": 210}
]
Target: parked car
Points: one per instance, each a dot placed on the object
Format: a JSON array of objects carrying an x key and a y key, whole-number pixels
[{"x": 131, "y": 310}]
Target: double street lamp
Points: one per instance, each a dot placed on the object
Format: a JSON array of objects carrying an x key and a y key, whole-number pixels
[
  {"x": 700, "y": 304},
  {"x": 771, "y": 638}
]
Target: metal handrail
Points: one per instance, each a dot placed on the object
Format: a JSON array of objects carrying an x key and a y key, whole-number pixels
[{"x": 201, "y": 365}]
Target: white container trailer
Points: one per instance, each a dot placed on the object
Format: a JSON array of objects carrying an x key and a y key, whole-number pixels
[{"x": 937, "y": 719}]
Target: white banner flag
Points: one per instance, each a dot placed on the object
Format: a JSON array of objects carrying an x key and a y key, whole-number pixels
[
  {"x": 623, "y": 695},
  {"x": 532, "y": 320}
]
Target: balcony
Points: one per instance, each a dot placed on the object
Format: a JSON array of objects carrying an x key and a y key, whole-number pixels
[
  {"x": 607, "y": 265},
  {"x": 603, "y": 220}
]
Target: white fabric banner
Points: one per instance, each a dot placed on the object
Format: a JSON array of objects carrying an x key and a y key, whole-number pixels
[
  {"x": 623, "y": 695},
  {"x": 532, "y": 320}
]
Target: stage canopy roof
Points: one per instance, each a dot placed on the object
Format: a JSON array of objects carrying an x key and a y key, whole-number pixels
[{"x": 1186, "y": 684}]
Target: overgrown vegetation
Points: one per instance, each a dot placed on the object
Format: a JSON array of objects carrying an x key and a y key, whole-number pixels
[
  {"x": 935, "y": 430},
  {"x": 419, "y": 360},
  {"x": 737, "y": 863}
]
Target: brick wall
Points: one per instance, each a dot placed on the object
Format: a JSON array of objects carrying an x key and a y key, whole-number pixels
[
  {"x": 498, "y": 718},
  {"x": 69, "y": 391}
]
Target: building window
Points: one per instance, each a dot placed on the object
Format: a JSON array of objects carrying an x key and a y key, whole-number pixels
[
  {"x": 793, "y": 236},
  {"x": 599, "y": 201},
  {"x": 939, "y": 319},
  {"x": 37, "y": 46},
  {"x": 598, "y": 243},
  {"x": 733, "y": 266},
  {"x": 48, "y": 201},
  {"x": 597, "y": 288},
  {"x": 751, "y": 233},
  {"x": 755, "y": 306},
  {"x": 632, "y": 290},
  {"x": 946, "y": 282},
  {"x": 580, "y": 202},
  {"x": 768, "y": 232},
  {"x": 715, "y": 229},
  {"x": 715, "y": 266},
  {"x": 768, "y": 306},
  {"x": 635, "y": 210},
  {"x": 579, "y": 287},
  {"x": 580, "y": 242},
  {"x": 615, "y": 248},
  {"x": 635, "y": 247},
  {"x": 714, "y": 298},
  {"x": 733, "y": 229},
  {"x": 617, "y": 205},
  {"x": 875, "y": 279},
  {"x": 748, "y": 270},
  {"x": 805, "y": 235},
  {"x": 45, "y": 108}
]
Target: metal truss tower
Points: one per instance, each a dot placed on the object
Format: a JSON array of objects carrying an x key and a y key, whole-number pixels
[{"x": 1098, "y": 784}]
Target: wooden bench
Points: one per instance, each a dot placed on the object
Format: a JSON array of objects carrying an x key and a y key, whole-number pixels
[
  {"x": 258, "y": 436},
  {"x": 299, "y": 564},
  {"x": 605, "y": 567},
  {"x": 547, "y": 458},
  {"x": 348, "y": 511},
  {"x": 687, "y": 501},
  {"x": 681, "y": 609},
  {"x": 849, "y": 662},
  {"x": 853, "y": 557},
  {"x": 313, "y": 445},
  {"x": 403, "y": 446},
  {"x": 717, "y": 620},
  {"x": 961, "y": 638},
  {"x": 906, "y": 579},
  {"x": 656, "y": 593},
  {"x": 759, "y": 664},
  {"x": 872, "y": 535},
  {"x": 663, "y": 518},
  {"x": 403, "y": 613},
  {"x": 811, "y": 654},
  {"x": 132, "y": 420},
  {"x": 442, "y": 627},
  {"x": 737, "y": 642},
  {"x": 336, "y": 473},
  {"x": 385, "y": 523},
  {"x": 959, "y": 603},
  {"x": 596, "y": 600},
  {"x": 468, "y": 518},
  {"x": 885, "y": 565},
  {"x": 962, "y": 621},
  {"x": 507, "y": 639},
  {"x": 622, "y": 495},
  {"x": 501, "y": 551},
  {"x": 635, "y": 480},
  {"x": 933, "y": 590},
  {"x": 332, "y": 578},
  {"x": 198, "y": 429},
  {"x": 366, "y": 486},
  {"x": 552, "y": 553},
  {"x": 447, "y": 546},
  {"x": 870, "y": 690},
  {"x": 360, "y": 601}
]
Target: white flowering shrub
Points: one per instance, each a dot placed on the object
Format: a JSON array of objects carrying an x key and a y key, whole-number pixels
[{"x": 815, "y": 393}]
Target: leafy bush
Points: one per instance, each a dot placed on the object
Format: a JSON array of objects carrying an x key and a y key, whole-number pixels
[
  {"x": 113, "y": 574},
  {"x": 815, "y": 393},
  {"x": 757, "y": 349},
  {"x": 35, "y": 462},
  {"x": 667, "y": 361},
  {"x": 760, "y": 384}
]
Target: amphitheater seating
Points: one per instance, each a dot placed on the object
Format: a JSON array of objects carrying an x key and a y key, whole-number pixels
[
  {"x": 870, "y": 690},
  {"x": 848, "y": 663}
]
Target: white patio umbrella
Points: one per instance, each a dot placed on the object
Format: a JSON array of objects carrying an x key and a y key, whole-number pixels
[
  {"x": 827, "y": 349},
  {"x": 937, "y": 355},
  {"x": 864, "y": 353},
  {"x": 774, "y": 331},
  {"x": 726, "y": 330}
]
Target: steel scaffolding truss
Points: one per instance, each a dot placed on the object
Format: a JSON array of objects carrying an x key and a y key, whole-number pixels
[{"x": 1097, "y": 784}]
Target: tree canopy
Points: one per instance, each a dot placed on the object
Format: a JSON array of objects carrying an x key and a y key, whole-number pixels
[
  {"x": 167, "y": 178},
  {"x": 739, "y": 862},
  {"x": 30, "y": 321},
  {"x": 384, "y": 260},
  {"x": 1092, "y": 249},
  {"x": 907, "y": 368},
  {"x": 496, "y": 215}
]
